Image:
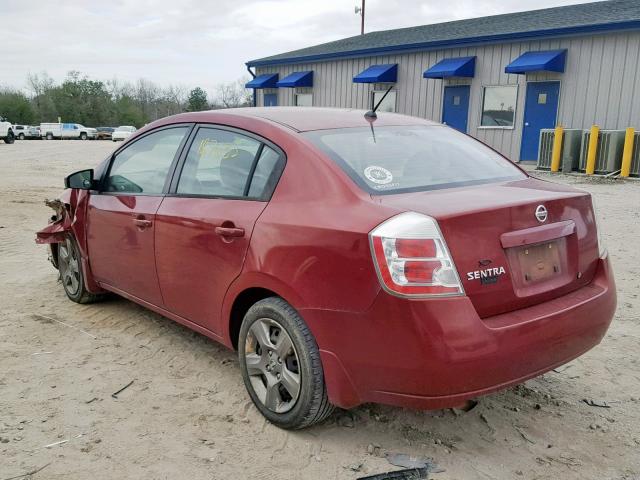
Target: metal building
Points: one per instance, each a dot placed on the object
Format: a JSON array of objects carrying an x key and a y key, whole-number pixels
[{"x": 500, "y": 78}]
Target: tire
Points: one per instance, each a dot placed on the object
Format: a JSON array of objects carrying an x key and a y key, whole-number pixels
[
  {"x": 10, "y": 138},
  {"x": 83, "y": 136},
  {"x": 21, "y": 136},
  {"x": 276, "y": 348},
  {"x": 49, "y": 136},
  {"x": 71, "y": 276}
]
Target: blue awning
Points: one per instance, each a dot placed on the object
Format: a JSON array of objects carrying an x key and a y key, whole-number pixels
[
  {"x": 297, "y": 79},
  {"x": 548, "y": 61},
  {"x": 266, "y": 80},
  {"x": 378, "y": 74},
  {"x": 452, "y": 67}
]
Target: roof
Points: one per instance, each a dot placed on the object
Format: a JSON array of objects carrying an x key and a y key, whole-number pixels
[
  {"x": 557, "y": 21},
  {"x": 300, "y": 119}
]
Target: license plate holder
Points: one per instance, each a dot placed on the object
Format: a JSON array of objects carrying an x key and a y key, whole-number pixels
[{"x": 540, "y": 262}]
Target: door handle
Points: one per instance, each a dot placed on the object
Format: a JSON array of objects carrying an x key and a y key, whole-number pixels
[
  {"x": 230, "y": 232},
  {"x": 142, "y": 222}
]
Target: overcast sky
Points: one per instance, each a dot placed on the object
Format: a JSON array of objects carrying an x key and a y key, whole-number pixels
[{"x": 197, "y": 42}]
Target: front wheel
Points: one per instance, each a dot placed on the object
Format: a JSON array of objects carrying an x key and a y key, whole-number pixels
[
  {"x": 70, "y": 268},
  {"x": 10, "y": 138},
  {"x": 281, "y": 366},
  {"x": 83, "y": 136},
  {"x": 21, "y": 136}
]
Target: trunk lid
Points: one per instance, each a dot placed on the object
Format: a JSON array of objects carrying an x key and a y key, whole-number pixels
[{"x": 506, "y": 258}]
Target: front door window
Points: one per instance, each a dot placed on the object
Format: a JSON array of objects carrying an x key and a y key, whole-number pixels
[{"x": 143, "y": 166}]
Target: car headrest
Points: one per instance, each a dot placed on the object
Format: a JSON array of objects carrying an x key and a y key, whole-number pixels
[{"x": 234, "y": 167}]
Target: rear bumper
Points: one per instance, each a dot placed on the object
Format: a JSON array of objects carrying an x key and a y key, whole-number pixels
[{"x": 438, "y": 353}]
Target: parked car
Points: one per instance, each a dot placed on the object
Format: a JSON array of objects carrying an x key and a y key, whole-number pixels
[
  {"x": 122, "y": 133},
  {"x": 52, "y": 131},
  {"x": 6, "y": 131},
  {"x": 20, "y": 131},
  {"x": 33, "y": 133},
  {"x": 27, "y": 132},
  {"x": 347, "y": 259},
  {"x": 104, "y": 133}
]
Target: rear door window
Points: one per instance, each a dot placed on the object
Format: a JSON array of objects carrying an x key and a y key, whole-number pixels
[
  {"x": 264, "y": 178},
  {"x": 218, "y": 164},
  {"x": 392, "y": 159},
  {"x": 224, "y": 163}
]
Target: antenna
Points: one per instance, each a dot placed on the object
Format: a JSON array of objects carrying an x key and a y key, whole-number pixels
[{"x": 360, "y": 10}]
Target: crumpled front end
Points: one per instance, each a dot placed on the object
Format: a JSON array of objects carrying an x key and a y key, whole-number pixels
[
  {"x": 59, "y": 224},
  {"x": 59, "y": 227},
  {"x": 69, "y": 219}
]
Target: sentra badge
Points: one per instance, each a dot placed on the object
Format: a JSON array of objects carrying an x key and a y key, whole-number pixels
[{"x": 486, "y": 274}]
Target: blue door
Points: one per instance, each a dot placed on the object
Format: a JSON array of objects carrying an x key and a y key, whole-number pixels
[
  {"x": 540, "y": 111},
  {"x": 270, "y": 99},
  {"x": 455, "y": 107}
]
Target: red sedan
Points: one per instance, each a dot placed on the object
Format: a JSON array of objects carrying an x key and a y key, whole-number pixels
[{"x": 348, "y": 259}]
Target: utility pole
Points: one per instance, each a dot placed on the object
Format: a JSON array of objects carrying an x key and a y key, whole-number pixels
[{"x": 360, "y": 10}]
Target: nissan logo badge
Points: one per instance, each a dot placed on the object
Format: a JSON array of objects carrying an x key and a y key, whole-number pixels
[{"x": 541, "y": 213}]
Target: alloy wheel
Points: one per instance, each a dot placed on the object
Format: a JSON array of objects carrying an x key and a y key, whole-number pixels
[
  {"x": 272, "y": 365},
  {"x": 69, "y": 267}
]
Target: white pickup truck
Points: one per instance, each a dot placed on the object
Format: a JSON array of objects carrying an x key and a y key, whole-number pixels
[
  {"x": 66, "y": 130},
  {"x": 6, "y": 131}
]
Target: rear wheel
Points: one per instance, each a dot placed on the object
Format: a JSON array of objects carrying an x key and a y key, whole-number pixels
[
  {"x": 10, "y": 138},
  {"x": 70, "y": 268},
  {"x": 21, "y": 136},
  {"x": 49, "y": 136},
  {"x": 281, "y": 366}
]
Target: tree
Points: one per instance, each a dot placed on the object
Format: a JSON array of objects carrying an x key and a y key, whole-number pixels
[
  {"x": 174, "y": 98},
  {"x": 128, "y": 112},
  {"x": 16, "y": 107},
  {"x": 197, "y": 100},
  {"x": 110, "y": 102},
  {"x": 41, "y": 85},
  {"x": 82, "y": 100},
  {"x": 234, "y": 94},
  {"x": 146, "y": 95}
]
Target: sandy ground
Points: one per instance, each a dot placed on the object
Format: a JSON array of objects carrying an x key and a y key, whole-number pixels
[{"x": 187, "y": 414}]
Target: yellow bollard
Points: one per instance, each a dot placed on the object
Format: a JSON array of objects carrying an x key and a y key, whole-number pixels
[
  {"x": 557, "y": 148},
  {"x": 627, "y": 152},
  {"x": 593, "y": 148}
]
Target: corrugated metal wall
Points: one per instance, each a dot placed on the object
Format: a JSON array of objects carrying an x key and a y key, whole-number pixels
[{"x": 601, "y": 83}]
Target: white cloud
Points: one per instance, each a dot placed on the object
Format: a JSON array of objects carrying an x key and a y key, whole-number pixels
[{"x": 195, "y": 42}]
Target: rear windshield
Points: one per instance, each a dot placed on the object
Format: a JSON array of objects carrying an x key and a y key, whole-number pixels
[{"x": 386, "y": 160}]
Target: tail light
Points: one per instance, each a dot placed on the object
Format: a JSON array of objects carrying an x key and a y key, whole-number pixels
[{"x": 412, "y": 258}]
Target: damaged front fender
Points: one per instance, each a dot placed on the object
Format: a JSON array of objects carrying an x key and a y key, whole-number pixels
[
  {"x": 59, "y": 225},
  {"x": 69, "y": 219}
]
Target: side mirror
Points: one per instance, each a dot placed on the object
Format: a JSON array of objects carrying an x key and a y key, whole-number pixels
[{"x": 82, "y": 180}]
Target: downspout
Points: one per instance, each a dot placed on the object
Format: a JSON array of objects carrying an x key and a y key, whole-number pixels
[{"x": 255, "y": 97}]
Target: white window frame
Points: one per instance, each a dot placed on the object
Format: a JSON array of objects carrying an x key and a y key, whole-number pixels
[
  {"x": 382, "y": 92},
  {"x": 515, "y": 111},
  {"x": 296, "y": 95}
]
